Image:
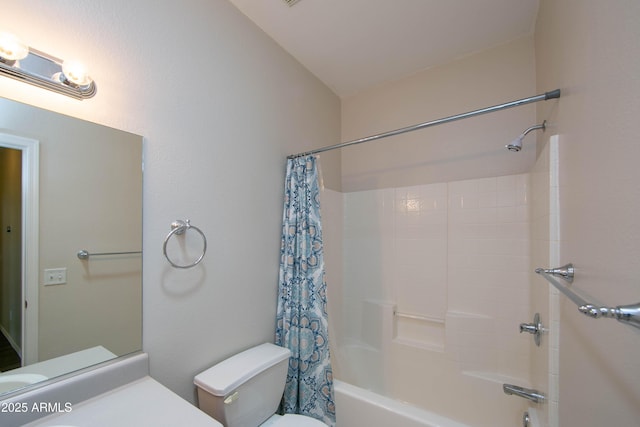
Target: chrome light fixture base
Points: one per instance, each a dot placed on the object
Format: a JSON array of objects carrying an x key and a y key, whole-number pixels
[{"x": 45, "y": 71}]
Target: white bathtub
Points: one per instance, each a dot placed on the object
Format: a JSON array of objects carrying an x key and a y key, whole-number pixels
[{"x": 357, "y": 407}]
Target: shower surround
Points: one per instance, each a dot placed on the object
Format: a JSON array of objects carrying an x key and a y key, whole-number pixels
[{"x": 427, "y": 287}]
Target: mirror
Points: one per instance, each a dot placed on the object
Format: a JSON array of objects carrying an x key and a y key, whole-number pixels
[{"x": 67, "y": 185}]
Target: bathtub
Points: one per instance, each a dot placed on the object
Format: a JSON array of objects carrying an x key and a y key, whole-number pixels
[{"x": 359, "y": 407}]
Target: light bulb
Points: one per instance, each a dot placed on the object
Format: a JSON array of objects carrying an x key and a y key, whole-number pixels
[
  {"x": 76, "y": 73},
  {"x": 12, "y": 48}
]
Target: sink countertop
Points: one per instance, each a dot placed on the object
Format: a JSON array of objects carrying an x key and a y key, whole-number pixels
[{"x": 139, "y": 403}]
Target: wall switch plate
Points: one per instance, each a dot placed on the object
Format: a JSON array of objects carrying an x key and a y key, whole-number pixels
[{"x": 55, "y": 276}]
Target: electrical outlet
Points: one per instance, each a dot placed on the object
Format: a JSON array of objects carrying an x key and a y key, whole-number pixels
[{"x": 55, "y": 276}]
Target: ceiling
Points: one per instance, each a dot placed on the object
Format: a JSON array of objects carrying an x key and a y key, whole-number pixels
[{"x": 354, "y": 44}]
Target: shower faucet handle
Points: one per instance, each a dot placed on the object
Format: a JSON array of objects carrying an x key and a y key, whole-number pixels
[
  {"x": 529, "y": 327},
  {"x": 534, "y": 328}
]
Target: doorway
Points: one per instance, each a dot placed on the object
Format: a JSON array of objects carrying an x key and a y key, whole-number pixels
[
  {"x": 19, "y": 197},
  {"x": 10, "y": 258}
]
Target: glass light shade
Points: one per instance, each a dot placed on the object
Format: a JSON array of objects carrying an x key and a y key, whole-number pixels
[
  {"x": 76, "y": 73},
  {"x": 12, "y": 48}
]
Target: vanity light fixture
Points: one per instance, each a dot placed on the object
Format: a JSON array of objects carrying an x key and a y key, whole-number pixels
[{"x": 23, "y": 63}]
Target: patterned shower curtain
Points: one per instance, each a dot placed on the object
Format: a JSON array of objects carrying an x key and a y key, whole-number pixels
[{"x": 301, "y": 323}]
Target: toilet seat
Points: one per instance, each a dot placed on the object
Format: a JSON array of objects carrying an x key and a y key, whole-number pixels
[{"x": 292, "y": 420}]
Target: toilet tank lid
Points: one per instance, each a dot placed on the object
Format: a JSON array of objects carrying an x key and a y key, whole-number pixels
[{"x": 228, "y": 375}]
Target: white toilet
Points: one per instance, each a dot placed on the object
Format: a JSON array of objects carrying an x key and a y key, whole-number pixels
[{"x": 245, "y": 390}]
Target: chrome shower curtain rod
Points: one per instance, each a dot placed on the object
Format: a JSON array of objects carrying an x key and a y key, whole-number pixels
[{"x": 543, "y": 97}]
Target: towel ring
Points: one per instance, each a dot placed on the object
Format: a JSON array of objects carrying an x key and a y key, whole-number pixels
[{"x": 179, "y": 227}]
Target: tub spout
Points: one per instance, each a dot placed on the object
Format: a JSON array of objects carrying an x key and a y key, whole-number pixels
[{"x": 533, "y": 395}]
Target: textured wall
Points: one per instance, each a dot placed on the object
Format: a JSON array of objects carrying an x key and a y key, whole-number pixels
[
  {"x": 590, "y": 49},
  {"x": 219, "y": 105}
]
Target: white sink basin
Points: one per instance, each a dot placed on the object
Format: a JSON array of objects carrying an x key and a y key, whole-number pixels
[{"x": 14, "y": 381}]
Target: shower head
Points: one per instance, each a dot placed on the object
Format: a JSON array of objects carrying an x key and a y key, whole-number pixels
[{"x": 516, "y": 144}]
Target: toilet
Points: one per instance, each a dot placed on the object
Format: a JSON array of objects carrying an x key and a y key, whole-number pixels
[{"x": 245, "y": 390}]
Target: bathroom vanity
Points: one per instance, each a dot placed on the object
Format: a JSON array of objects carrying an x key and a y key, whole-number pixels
[
  {"x": 116, "y": 393},
  {"x": 139, "y": 403}
]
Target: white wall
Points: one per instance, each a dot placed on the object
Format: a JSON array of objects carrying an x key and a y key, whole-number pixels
[
  {"x": 466, "y": 149},
  {"x": 590, "y": 49},
  {"x": 220, "y": 105}
]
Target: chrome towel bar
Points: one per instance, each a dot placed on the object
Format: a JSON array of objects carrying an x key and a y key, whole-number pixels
[
  {"x": 565, "y": 272},
  {"x": 85, "y": 254},
  {"x": 629, "y": 314}
]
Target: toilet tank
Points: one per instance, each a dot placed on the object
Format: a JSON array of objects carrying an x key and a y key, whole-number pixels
[{"x": 244, "y": 390}]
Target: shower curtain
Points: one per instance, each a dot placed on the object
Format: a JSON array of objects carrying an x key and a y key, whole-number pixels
[{"x": 301, "y": 320}]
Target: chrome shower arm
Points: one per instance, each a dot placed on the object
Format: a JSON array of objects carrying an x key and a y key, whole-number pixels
[
  {"x": 542, "y": 126},
  {"x": 516, "y": 144}
]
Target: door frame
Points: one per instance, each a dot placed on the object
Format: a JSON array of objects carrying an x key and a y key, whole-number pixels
[{"x": 30, "y": 238}]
